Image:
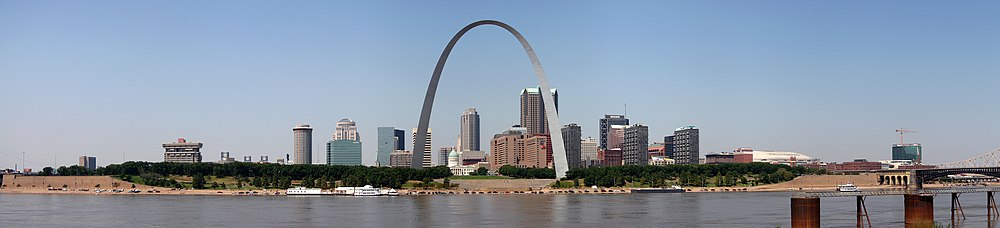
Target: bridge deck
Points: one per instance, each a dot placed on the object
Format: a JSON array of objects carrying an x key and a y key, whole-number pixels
[{"x": 902, "y": 192}]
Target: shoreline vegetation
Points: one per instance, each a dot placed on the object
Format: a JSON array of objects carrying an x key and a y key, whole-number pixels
[{"x": 272, "y": 179}]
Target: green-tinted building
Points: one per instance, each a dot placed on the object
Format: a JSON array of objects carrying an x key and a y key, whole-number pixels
[
  {"x": 343, "y": 152},
  {"x": 911, "y": 152}
]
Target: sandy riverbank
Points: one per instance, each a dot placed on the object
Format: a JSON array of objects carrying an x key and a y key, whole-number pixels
[{"x": 89, "y": 184}]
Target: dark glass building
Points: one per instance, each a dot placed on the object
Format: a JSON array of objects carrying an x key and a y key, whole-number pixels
[{"x": 912, "y": 151}]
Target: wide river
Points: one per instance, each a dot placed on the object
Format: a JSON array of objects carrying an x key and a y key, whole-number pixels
[{"x": 631, "y": 210}]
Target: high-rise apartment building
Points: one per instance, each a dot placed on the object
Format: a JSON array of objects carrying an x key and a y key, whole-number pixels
[
  {"x": 533, "y": 110},
  {"x": 571, "y": 134},
  {"x": 517, "y": 148},
  {"x": 636, "y": 148},
  {"x": 425, "y": 160},
  {"x": 90, "y": 163},
  {"x": 346, "y": 130},
  {"x": 343, "y": 152},
  {"x": 389, "y": 139},
  {"x": 909, "y": 151},
  {"x": 685, "y": 143},
  {"x": 470, "y": 130},
  {"x": 606, "y": 123},
  {"x": 182, "y": 151},
  {"x": 589, "y": 155},
  {"x": 302, "y": 144}
]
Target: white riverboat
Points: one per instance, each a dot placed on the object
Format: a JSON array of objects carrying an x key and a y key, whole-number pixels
[
  {"x": 366, "y": 190},
  {"x": 849, "y": 187},
  {"x": 303, "y": 191}
]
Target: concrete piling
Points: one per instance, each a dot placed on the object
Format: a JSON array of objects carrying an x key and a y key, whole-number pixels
[
  {"x": 919, "y": 210},
  {"x": 805, "y": 212}
]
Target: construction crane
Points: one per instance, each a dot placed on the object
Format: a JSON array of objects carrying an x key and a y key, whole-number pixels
[{"x": 901, "y": 131}]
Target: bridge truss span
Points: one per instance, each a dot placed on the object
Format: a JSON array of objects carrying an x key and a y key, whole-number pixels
[{"x": 988, "y": 159}]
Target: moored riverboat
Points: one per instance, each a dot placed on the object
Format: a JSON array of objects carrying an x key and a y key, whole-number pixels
[{"x": 672, "y": 189}]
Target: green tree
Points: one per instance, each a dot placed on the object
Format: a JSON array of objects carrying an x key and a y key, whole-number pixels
[
  {"x": 198, "y": 182},
  {"x": 47, "y": 171},
  {"x": 308, "y": 182},
  {"x": 481, "y": 171},
  {"x": 285, "y": 183}
]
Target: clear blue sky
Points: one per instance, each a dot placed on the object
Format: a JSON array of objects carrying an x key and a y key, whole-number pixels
[{"x": 829, "y": 79}]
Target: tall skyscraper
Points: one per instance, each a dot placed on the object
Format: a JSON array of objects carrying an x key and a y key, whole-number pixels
[
  {"x": 343, "y": 152},
  {"x": 424, "y": 161},
  {"x": 302, "y": 143},
  {"x": 533, "y": 110},
  {"x": 685, "y": 142},
  {"x": 571, "y": 141},
  {"x": 636, "y": 148},
  {"x": 389, "y": 140},
  {"x": 89, "y": 163},
  {"x": 182, "y": 151},
  {"x": 400, "y": 139},
  {"x": 589, "y": 152},
  {"x": 606, "y": 123},
  {"x": 346, "y": 130},
  {"x": 470, "y": 130},
  {"x": 909, "y": 151}
]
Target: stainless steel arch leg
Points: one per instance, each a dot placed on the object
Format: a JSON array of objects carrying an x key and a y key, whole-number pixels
[{"x": 555, "y": 129}]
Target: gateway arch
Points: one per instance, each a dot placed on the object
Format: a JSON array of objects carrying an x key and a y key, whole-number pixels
[{"x": 558, "y": 150}]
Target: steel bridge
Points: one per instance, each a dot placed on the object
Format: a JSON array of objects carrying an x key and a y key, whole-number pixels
[
  {"x": 918, "y": 202},
  {"x": 895, "y": 192},
  {"x": 988, "y": 159}
]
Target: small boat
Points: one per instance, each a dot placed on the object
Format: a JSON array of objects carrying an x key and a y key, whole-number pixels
[
  {"x": 391, "y": 192},
  {"x": 849, "y": 187}
]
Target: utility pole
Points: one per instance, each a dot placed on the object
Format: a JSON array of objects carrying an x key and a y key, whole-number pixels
[
  {"x": 22, "y": 159},
  {"x": 901, "y": 131}
]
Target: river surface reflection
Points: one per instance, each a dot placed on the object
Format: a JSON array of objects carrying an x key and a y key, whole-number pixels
[{"x": 631, "y": 210}]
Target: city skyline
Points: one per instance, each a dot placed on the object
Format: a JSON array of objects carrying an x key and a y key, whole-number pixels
[{"x": 838, "y": 73}]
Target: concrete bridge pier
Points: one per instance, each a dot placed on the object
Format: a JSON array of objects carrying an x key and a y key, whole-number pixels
[
  {"x": 805, "y": 212},
  {"x": 919, "y": 210}
]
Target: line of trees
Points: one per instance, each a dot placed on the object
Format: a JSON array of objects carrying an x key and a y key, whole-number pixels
[
  {"x": 268, "y": 175},
  {"x": 733, "y": 174},
  {"x": 535, "y": 173}
]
